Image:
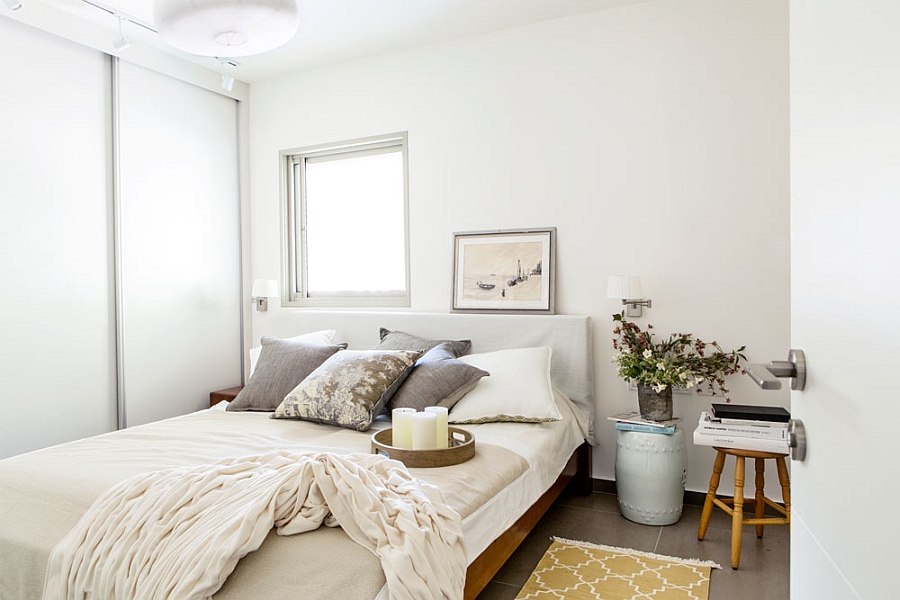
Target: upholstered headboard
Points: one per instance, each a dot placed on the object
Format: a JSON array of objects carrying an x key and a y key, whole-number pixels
[{"x": 572, "y": 363}]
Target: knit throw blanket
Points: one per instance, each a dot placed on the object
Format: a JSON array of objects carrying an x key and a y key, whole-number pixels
[{"x": 179, "y": 533}]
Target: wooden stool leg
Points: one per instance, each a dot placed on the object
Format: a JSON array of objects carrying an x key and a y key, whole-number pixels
[
  {"x": 713, "y": 486},
  {"x": 785, "y": 482},
  {"x": 760, "y": 493},
  {"x": 737, "y": 519}
]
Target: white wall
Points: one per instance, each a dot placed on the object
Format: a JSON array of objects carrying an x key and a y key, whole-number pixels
[{"x": 653, "y": 136}]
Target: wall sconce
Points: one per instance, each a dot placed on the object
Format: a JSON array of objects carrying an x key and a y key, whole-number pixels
[
  {"x": 628, "y": 288},
  {"x": 263, "y": 289}
]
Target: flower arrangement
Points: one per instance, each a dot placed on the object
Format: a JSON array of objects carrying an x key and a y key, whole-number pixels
[{"x": 682, "y": 360}]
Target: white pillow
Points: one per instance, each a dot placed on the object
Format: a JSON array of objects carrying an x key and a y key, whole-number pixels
[
  {"x": 518, "y": 389},
  {"x": 320, "y": 338}
]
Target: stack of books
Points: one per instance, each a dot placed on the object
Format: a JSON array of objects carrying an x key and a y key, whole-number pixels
[
  {"x": 761, "y": 428},
  {"x": 633, "y": 421}
]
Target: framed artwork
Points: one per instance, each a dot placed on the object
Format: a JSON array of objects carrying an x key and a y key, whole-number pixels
[{"x": 504, "y": 271}]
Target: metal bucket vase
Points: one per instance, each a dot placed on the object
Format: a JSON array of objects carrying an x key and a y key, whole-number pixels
[{"x": 655, "y": 406}]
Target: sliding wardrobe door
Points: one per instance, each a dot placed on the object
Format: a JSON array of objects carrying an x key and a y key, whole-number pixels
[
  {"x": 56, "y": 325},
  {"x": 179, "y": 244}
]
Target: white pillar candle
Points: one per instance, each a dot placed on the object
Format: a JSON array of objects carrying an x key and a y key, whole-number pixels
[
  {"x": 424, "y": 431},
  {"x": 401, "y": 419},
  {"x": 440, "y": 431}
]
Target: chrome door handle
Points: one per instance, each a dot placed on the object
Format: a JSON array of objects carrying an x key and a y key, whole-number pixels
[
  {"x": 797, "y": 440},
  {"x": 766, "y": 376}
]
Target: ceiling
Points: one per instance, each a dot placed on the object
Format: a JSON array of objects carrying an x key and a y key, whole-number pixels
[{"x": 337, "y": 30}]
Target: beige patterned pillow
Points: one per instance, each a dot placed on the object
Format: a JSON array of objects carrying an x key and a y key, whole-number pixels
[{"x": 349, "y": 389}]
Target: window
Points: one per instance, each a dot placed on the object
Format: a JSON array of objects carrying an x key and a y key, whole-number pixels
[{"x": 346, "y": 223}]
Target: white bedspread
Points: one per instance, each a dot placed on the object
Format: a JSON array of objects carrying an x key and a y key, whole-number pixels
[
  {"x": 178, "y": 533},
  {"x": 43, "y": 494}
]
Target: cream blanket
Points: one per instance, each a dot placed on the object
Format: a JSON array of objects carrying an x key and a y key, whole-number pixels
[{"x": 179, "y": 533}]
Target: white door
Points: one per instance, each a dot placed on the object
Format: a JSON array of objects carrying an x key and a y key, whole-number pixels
[
  {"x": 845, "y": 272},
  {"x": 58, "y": 340},
  {"x": 180, "y": 244}
]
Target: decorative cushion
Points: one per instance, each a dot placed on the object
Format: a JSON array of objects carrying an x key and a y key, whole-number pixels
[
  {"x": 399, "y": 340},
  {"x": 282, "y": 365},
  {"x": 439, "y": 379},
  {"x": 320, "y": 338},
  {"x": 518, "y": 389},
  {"x": 349, "y": 389}
]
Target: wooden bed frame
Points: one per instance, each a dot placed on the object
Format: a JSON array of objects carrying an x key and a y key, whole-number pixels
[
  {"x": 576, "y": 475},
  {"x": 568, "y": 335}
]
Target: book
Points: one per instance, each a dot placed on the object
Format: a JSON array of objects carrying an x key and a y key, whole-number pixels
[
  {"x": 751, "y": 413},
  {"x": 769, "y": 424},
  {"x": 740, "y": 429},
  {"x": 627, "y": 426},
  {"x": 635, "y": 417},
  {"x": 777, "y": 446}
]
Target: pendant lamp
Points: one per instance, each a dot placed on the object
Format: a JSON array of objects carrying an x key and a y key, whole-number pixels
[{"x": 226, "y": 27}]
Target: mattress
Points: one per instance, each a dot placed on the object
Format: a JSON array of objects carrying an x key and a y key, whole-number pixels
[{"x": 44, "y": 493}]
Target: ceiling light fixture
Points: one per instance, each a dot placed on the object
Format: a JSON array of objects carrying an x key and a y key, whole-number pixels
[
  {"x": 230, "y": 27},
  {"x": 121, "y": 42},
  {"x": 12, "y": 5},
  {"x": 227, "y": 80}
]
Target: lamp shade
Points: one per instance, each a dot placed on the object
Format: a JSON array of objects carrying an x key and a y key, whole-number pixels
[
  {"x": 226, "y": 27},
  {"x": 264, "y": 288},
  {"x": 624, "y": 287}
]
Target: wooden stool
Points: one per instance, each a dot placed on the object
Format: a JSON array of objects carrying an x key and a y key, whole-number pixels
[{"x": 735, "y": 506}]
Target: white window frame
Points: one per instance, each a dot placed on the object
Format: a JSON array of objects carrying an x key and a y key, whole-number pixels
[{"x": 294, "y": 224}]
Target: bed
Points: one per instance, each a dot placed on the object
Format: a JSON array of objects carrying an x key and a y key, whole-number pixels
[{"x": 517, "y": 472}]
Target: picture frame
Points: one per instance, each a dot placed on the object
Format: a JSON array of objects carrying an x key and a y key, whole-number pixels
[{"x": 505, "y": 271}]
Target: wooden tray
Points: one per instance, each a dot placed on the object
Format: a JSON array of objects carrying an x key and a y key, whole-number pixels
[{"x": 461, "y": 447}]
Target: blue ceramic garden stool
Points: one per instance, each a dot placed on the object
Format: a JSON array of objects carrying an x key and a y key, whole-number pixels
[{"x": 650, "y": 473}]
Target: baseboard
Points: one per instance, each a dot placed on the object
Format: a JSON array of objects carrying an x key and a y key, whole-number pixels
[{"x": 607, "y": 486}]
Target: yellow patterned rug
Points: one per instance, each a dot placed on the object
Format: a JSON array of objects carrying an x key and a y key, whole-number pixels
[{"x": 580, "y": 570}]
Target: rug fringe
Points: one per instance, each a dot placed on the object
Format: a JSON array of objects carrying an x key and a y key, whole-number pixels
[{"x": 694, "y": 562}]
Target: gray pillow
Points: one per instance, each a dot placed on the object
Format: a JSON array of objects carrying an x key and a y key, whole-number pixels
[
  {"x": 399, "y": 340},
  {"x": 349, "y": 389},
  {"x": 282, "y": 365},
  {"x": 438, "y": 379}
]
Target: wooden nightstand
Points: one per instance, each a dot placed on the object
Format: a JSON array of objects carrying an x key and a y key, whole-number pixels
[{"x": 226, "y": 394}]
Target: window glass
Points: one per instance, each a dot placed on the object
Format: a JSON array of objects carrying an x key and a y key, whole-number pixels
[{"x": 347, "y": 214}]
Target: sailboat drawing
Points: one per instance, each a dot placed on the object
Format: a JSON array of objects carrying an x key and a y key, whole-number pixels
[{"x": 520, "y": 275}]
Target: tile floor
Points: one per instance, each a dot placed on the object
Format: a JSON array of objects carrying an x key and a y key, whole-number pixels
[{"x": 763, "y": 573}]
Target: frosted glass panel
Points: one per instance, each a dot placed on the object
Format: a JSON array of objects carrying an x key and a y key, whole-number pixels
[
  {"x": 58, "y": 343},
  {"x": 180, "y": 244}
]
